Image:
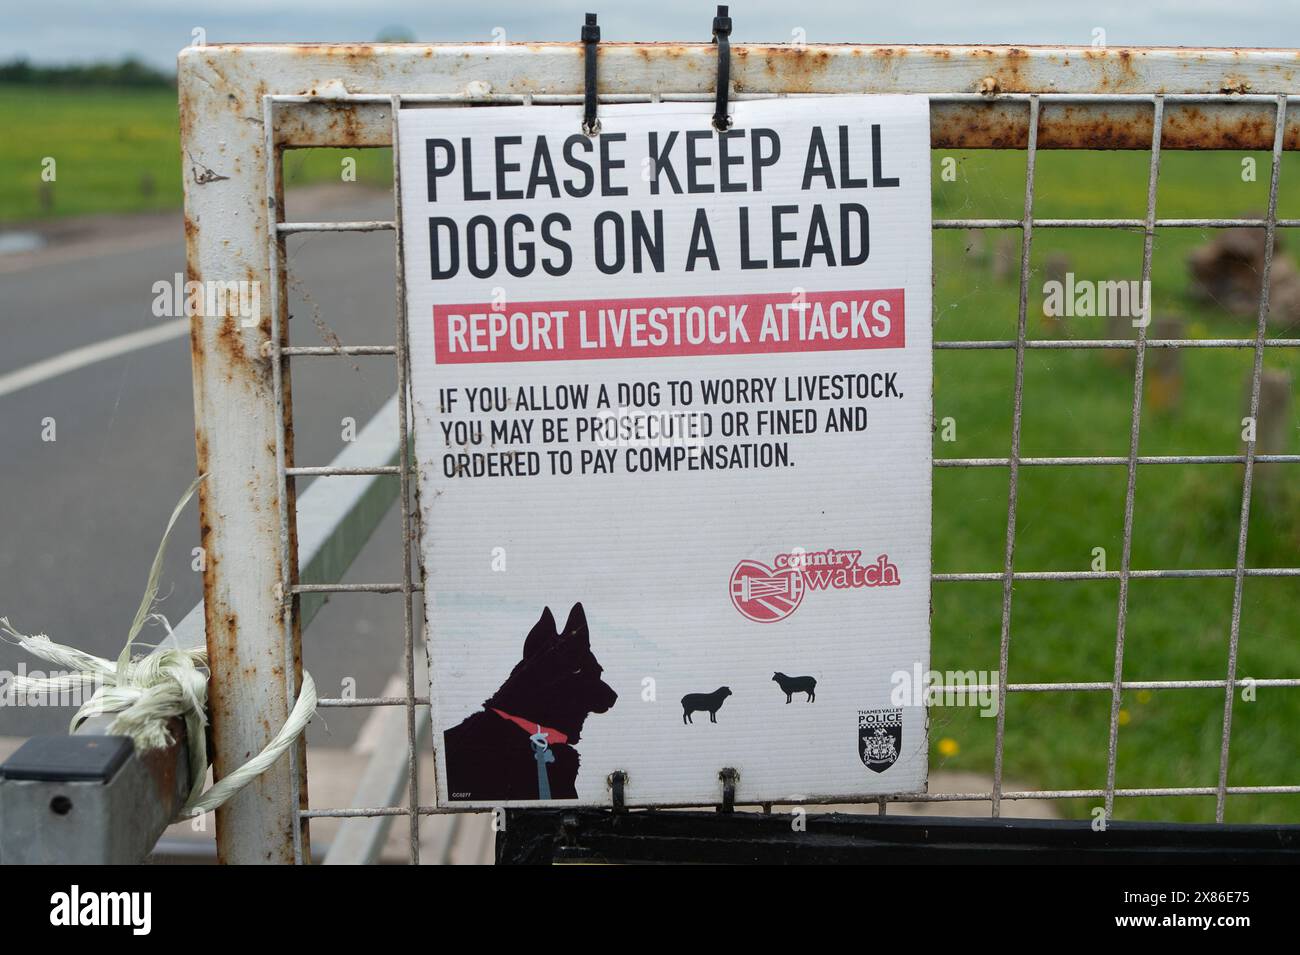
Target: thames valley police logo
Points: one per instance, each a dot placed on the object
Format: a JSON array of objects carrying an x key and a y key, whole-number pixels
[{"x": 880, "y": 738}]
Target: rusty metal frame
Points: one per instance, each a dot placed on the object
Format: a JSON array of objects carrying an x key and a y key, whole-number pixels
[{"x": 241, "y": 105}]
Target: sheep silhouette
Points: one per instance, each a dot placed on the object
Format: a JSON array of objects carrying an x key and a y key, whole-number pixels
[
  {"x": 796, "y": 684},
  {"x": 698, "y": 702}
]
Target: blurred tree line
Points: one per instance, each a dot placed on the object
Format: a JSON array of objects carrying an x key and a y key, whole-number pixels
[{"x": 128, "y": 72}]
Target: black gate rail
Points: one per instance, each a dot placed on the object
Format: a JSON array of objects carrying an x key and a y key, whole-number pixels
[{"x": 541, "y": 837}]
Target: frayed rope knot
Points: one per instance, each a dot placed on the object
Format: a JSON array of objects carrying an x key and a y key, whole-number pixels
[{"x": 144, "y": 692}]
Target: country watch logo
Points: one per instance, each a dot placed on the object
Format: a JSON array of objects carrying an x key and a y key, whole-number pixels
[{"x": 768, "y": 593}]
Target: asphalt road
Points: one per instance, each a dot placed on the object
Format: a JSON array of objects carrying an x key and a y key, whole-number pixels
[{"x": 81, "y": 516}]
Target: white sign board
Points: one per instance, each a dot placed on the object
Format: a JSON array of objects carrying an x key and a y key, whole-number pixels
[{"x": 672, "y": 411}]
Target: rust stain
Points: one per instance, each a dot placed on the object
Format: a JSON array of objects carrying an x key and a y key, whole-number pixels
[
  {"x": 1007, "y": 76},
  {"x": 345, "y": 125},
  {"x": 980, "y": 126},
  {"x": 196, "y": 350},
  {"x": 185, "y": 116},
  {"x": 1241, "y": 127},
  {"x": 201, "y": 454},
  {"x": 191, "y": 239},
  {"x": 221, "y": 628},
  {"x": 346, "y": 51},
  {"x": 231, "y": 343},
  {"x": 1002, "y": 125},
  {"x": 161, "y": 765},
  {"x": 795, "y": 69}
]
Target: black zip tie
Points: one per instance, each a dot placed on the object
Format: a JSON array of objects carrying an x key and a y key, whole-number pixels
[
  {"x": 722, "y": 37},
  {"x": 728, "y": 777},
  {"x": 617, "y": 784},
  {"x": 590, "y": 37}
]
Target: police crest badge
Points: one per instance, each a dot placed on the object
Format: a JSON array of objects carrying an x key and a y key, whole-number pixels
[{"x": 880, "y": 738}]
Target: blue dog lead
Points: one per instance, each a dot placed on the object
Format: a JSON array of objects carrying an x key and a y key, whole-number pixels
[{"x": 542, "y": 753}]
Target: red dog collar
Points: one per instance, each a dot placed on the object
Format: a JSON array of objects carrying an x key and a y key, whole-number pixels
[{"x": 553, "y": 736}]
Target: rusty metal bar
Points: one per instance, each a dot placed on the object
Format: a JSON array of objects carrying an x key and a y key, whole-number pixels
[
  {"x": 324, "y": 351},
  {"x": 996, "y": 122},
  {"x": 291, "y": 672},
  {"x": 1261, "y": 332},
  {"x": 330, "y": 470},
  {"x": 1013, "y": 492},
  {"x": 1214, "y": 573},
  {"x": 295, "y": 228},
  {"x": 1172, "y": 573},
  {"x": 1091, "y": 98},
  {"x": 1097, "y": 686},
  {"x": 1130, "y": 492},
  {"x": 401, "y": 700},
  {"x": 236, "y": 433},
  {"x": 476, "y": 97},
  {"x": 385, "y": 588},
  {"x": 328, "y": 351},
  {"x": 1068, "y": 343},
  {"x": 1116, "y": 460},
  {"x": 408, "y": 525},
  {"x": 1134, "y": 224}
]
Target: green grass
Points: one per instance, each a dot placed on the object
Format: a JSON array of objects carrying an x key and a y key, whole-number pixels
[
  {"x": 117, "y": 151},
  {"x": 1079, "y": 403},
  {"x": 114, "y": 151}
]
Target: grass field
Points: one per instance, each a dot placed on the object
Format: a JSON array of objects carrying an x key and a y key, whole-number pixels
[
  {"x": 118, "y": 152},
  {"x": 1079, "y": 403}
]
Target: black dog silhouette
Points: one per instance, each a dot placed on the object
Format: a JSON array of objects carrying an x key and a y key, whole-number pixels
[
  {"x": 552, "y": 690},
  {"x": 695, "y": 702},
  {"x": 796, "y": 684}
]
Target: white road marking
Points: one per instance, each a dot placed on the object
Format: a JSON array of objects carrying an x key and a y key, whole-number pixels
[{"x": 90, "y": 354}]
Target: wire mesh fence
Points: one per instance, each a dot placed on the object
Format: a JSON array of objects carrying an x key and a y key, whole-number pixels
[{"x": 279, "y": 109}]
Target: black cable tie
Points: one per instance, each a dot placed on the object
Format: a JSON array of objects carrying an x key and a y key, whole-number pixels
[
  {"x": 722, "y": 37},
  {"x": 617, "y": 785},
  {"x": 728, "y": 777},
  {"x": 590, "y": 37}
]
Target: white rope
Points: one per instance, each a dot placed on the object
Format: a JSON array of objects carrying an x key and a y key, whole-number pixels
[
  {"x": 145, "y": 692},
  {"x": 303, "y": 710}
]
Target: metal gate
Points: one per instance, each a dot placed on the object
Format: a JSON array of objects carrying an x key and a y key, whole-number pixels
[{"x": 243, "y": 105}]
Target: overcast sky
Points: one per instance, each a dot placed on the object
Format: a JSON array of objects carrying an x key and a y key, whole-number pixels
[{"x": 55, "y": 31}]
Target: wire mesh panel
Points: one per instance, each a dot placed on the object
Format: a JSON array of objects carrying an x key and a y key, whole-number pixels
[{"x": 1027, "y": 120}]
